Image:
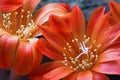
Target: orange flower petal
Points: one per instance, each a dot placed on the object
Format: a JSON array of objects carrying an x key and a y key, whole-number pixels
[
  {"x": 72, "y": 76},
  {"x": 112, "y": 67},
  {"x": 3, "y": 40},
  {"x": 111, "y": 37},
  {"x": 44, "y": 68},
  {"x": 100, "y": 27},
  {"x": 59, "y": 25},
  {"x": 99, "y": 76},
  {"x": 9, "y": 50},
  {"x": 45, "y": 48},
  {"x": 85, "y": 75},
  {"x": 77, "y": 22},
  {"x": 57, "y": 73},
  {"x": 37, "y": 57},
  {"x": 10, "y": 5},
  {"x": 94, "y": 19},
  {"x": 66, "y": 6},
  {"x": 53, "y": 37},
  {"x": 114, "y": 7},
  {"x": 10, "y": 1},
  {"x": 115, "y": 42},
  {"x": 23, "y": 58},
  {"x": 111, "y": 21},
  {"x": 42, "y": 15},
  {"x": 109, "y": 55}
]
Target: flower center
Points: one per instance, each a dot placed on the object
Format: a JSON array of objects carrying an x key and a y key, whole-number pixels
[
  {"x": 80, "y": 55},
  {"x": 19, "y": 23}
]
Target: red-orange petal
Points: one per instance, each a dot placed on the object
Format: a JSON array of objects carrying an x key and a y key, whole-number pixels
[
  {"x": 59, "y": 25},
  {"x": 42, "y": 15},
  {"x": 109, "y": 55},
  {"x": 111, "y": 37},
  {"x": 57, "y": 73},
  {"x": 85, "y": 75},
  {"x": 45, "y": 48},
  {"x": 53, "y": 38},
  {"x": 99, "y": 76},
  {"x": 44, "y": 68},
  {"x": 94, "y": 19},
  {"x": 10, "y": 5},
  {"x": 10, "y": 50},
  {"x": 23, "y": 59},
  {"x": 77, "y": 22},
  {"x": 37, "y": 56},
  {"x": 99, "y": 29},
  {"x": 72, "y": 76},
  {"x": 114, "y": 7},
  {"x": 112, "y": 67},
  {"x": 3, "y": 40},
  {"x": 66, "y": 6}
]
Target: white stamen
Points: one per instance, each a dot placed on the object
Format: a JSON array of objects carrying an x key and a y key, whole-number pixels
[{"x": 84, "y": 48}]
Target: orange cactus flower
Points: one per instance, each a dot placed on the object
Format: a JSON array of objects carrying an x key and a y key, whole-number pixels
[
  {"x": 18, "y": 29},
  {"x": 79, "y": 52}
]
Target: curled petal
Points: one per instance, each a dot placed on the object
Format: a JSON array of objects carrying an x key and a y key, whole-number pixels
[
  {"x": 23, "y": 58},
  {"x": 42, "y": 15},
  {"x": 112, "y": 67}
]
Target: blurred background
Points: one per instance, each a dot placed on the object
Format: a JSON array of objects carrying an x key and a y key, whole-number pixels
[{"x": 87, "y": 6}]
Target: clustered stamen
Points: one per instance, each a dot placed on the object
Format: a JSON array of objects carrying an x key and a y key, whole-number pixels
[
  {"x": 25, "y": 32},
  {"x": 7, "y": 22},
  {"x": 22, "y": 28},
  {"x": 85, "y": 59}
]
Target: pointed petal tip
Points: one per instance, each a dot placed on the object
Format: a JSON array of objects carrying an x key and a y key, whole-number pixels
[
  {"x": 111, "y": 3},
  {"x": 102, "y": 9},
  {"x": 76, "y": 7}
]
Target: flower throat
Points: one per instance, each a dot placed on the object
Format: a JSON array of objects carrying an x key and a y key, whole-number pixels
[
  {"x": 81, "y": 55},
  {"x": 19, "y": 23}
]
